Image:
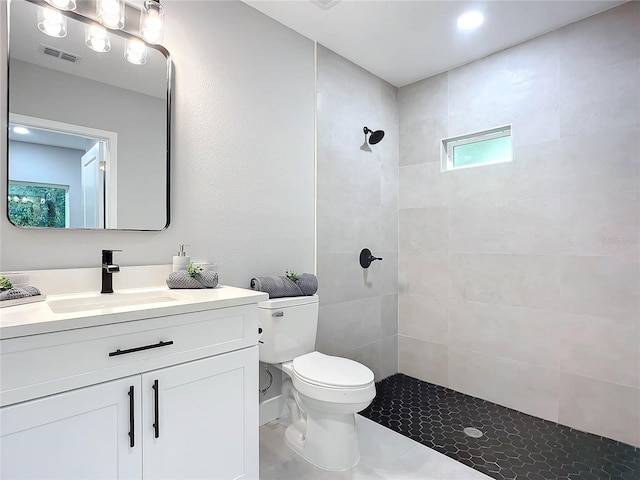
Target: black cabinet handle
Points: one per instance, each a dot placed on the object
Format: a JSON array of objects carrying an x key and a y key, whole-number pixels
[
  {"x": 156, "y": 423},
  {"x": 139, "y": 349},
  {"x": 132, "y": 434}
]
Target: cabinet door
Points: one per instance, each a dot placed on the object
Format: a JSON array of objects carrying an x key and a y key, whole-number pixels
[
  {"x": 201, "y": 420},
  {"x": 80, "y": 434}
]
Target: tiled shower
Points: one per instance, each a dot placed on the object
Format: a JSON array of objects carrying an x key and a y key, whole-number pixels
[{"x": 516, "y": 283}]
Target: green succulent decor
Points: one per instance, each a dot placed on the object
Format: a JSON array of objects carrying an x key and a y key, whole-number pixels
[
  {"x": 5, "y": 283},
  {"x": 194, "y": 270},
  {"x": 291, "y": 275}
]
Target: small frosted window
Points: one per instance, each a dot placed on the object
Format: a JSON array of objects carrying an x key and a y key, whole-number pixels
[{"x": 482, "y": 148}]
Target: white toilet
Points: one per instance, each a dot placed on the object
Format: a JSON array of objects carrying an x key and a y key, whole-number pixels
[{"x": 323, "y": 392}]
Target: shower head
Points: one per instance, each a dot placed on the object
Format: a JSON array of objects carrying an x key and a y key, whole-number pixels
[{"x": 375, "y": 137}]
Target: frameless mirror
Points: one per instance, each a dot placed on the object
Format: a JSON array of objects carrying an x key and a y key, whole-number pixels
[{"x": 88, "y": 131}]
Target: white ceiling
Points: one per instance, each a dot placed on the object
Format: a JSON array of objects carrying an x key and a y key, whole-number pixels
[{"x": 405, "y": 41}]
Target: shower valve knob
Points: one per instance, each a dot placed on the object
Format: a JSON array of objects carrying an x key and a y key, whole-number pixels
[{"x": 366, "y": 258}]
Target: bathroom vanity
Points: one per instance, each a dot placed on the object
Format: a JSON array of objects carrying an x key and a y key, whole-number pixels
[{"x": 147, "y": 383}]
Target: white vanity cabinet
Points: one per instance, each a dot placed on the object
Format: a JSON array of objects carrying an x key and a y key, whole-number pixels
[{"x": 170, "y": 397}]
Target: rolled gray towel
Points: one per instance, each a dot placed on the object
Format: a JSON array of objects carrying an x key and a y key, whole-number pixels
[
  {"x": 182, "y": 279},
  {"x": 19, "y": 292},
  {"x": 308, "y": 283},
  {"x": 276, "y": 286}
]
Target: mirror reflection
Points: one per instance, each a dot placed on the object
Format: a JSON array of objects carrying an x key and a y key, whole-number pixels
[{"x": 88, "y": 130}]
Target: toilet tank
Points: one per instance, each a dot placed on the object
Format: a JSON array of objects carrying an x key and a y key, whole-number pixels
[{"x": 289, "y": 327}]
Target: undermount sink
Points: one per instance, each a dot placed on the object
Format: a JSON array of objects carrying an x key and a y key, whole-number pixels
[{"x": 112, "y": 300}]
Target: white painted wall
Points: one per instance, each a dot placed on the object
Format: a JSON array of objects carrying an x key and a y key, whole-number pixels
[
  {"x": 31, "y": 162},
  {"x": 242, "y": 179}
]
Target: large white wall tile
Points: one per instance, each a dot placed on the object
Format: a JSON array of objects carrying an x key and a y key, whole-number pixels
[
  {"x": 423, "y": 185},
  {"x": 601, "y": 408},
  {"x": 595, "y": 43},
  {"x": 423, "y": 360},
  {"x": 424, "y": 99},
  {"x": 389, "y": 226},
  {"x": 345, "y": 326},
  {"x": 518, "y": 280},
  {"x": 420, "y": 142},
  {"x": 600, "y": 348},
  {"x": 389, "y": 186},
  {"x": 424, "y": 273},
  {"x": 388, "y": 356},
  {"x": 596, "y": 116},
  {"x": 602, "y": 224},
  {"x": 389, "y": 315},
  {"x": 605, "y": 84},
  {"x": 388, "y": 272},
  {"x": 529, "y": 226},
  {"x": 601, "y": 286},
  {"x": 528, "y": 388},
  {"x": 347, "y": 227},
  {"x": 369, "y": 355},
  {"x": 424, "y": 318},
  {"x": 526, "y": 335},
  {"x": 605, "y": 162},
  {"x": 424, "y": 229},
  {"x": 345, "y": 177}
]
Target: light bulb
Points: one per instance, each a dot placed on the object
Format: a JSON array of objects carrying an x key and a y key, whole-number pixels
[
  {"x": 136, "y": 52},
  {"x": 51, "y": 22},
  {"x": 152, "y": 21},
  {"x": 63, "y": 4},
  {"x": 97, "y": 39},
  {"x": 110, "y": 7},
  {"x": 110, "y": 13}
]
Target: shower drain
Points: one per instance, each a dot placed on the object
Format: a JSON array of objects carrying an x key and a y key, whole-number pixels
[{"x": 472, "y": 432}]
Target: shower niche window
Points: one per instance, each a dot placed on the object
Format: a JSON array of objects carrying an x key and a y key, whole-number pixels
[{"x": 488, "y": 147}]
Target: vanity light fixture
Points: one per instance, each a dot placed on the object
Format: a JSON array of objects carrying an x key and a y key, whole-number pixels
[
  {"x": 110, "y": 13},
  {"x": 20, "y": 130},
  {"x": 52, "y": 23},
  {"x": 136, "y": 52},
  {"x": 62, "y": 4},
  {"x": 97, "y": 38},
  {"x": 152, "y": 21},
  {"x": 470, "y": 20}
]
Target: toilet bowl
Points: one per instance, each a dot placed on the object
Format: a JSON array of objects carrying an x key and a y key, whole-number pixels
[{"x": 323, "y": 392}]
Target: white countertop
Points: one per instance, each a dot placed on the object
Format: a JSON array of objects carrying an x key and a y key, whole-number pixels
[{"x": 38, "y": 318}]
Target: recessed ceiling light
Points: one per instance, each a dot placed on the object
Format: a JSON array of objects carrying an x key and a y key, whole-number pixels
[
  {"x": 20, "y": 130},
  {"x": 470, "y": 20}
]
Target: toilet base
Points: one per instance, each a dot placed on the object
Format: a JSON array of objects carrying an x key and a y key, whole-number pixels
[{"x": 330, "y": 441}]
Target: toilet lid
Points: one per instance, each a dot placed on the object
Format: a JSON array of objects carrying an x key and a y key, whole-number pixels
[{"x": 321, "y": 369}]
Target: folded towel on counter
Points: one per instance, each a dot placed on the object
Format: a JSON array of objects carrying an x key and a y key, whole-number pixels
[
  {"x": 281, "y": 286},
  {"x": 182, "y": 279},
  {"x": 22, "y": 291}
]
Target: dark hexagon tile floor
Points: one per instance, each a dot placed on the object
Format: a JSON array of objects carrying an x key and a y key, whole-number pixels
[{"x": 514, "y": 445}]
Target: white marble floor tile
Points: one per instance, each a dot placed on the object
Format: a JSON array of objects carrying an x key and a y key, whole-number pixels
[{"x": 384, "y": 454}]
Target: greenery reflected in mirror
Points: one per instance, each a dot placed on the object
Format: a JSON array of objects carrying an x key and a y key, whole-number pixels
[
  {"x": 106, "y": 117},
  {"x": 37, "y": 205}
]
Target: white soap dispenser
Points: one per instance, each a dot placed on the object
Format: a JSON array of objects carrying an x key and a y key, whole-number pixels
[{"x": 181, "y": 261}]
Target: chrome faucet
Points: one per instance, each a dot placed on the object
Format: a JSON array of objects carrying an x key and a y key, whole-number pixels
[{"x": 108, "y": 269}]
